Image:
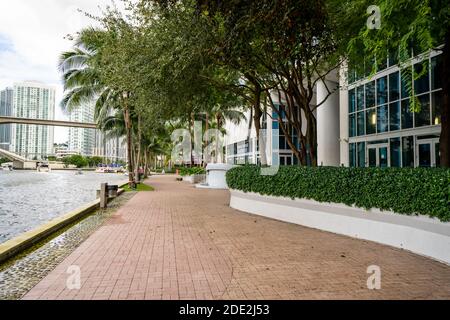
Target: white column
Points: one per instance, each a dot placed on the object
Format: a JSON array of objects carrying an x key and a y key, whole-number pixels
[{"x": 328, "y": 146}]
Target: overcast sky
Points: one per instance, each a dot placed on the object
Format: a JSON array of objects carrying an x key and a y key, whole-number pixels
[{"x": 32, "y": 37}]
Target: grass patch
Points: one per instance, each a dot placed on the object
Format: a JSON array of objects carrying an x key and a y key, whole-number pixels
[{"x": 140, "y": 187}]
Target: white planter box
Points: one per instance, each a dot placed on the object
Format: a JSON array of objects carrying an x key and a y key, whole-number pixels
[
  {"x": 196, "y": 178},
  {"x": 419, "y": 234}
]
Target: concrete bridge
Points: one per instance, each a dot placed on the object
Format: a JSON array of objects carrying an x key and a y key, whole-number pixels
[
  {"x": 19, "y": 162},
  {"x": 43, "y": 122},
  {"x": 23, "y": 163}
]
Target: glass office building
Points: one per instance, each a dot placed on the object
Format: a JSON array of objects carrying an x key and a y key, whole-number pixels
[{"x": 384, "y": 131}]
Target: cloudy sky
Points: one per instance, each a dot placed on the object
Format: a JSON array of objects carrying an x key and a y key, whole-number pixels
[{"x": 32, "y": 37}]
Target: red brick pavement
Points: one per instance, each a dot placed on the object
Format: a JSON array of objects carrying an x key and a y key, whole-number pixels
[{"x": 185, "y": 243}]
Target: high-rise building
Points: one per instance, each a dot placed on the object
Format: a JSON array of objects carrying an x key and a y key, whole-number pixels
[
  {"x": 33, "y": 100},
  {"x": 113, "y": 149},
  {"x": 82, "y": 140},
  {"x": 6, "y": 109}
]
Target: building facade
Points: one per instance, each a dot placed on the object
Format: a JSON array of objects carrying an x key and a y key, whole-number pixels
[
  {"x": 112, "y": 149},
  {"x": 6, "y": 109},
  {"x": 36, "y": 101},
  {"x": 368, "y": 122},
  {"x": 379, "y": 128},
  {"x": 82, "y": 140}
]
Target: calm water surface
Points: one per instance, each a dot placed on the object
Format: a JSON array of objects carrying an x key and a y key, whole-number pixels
[{"x": 29, "y": 199}]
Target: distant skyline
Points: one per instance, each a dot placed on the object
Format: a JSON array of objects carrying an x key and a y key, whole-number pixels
[{"x": 32, "y": 38}]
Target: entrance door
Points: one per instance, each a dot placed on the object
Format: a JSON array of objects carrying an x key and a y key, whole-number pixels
[
  {"x": 378, "y": 155},
  {"x": 427, "y": 153}
]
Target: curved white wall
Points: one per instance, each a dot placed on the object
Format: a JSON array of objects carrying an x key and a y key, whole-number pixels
[
  {"x": 421, "y": 235},
  {"x": 328, "y": 146}
]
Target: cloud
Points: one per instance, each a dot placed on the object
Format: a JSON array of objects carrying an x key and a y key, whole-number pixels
[{"x": 32, "y": 36}]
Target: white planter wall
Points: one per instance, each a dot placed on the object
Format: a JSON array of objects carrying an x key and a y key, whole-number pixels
[{"x": 422, "y": 235}]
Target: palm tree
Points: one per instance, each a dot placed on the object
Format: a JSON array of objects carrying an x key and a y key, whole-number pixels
[{"x": 83, "y": 84}]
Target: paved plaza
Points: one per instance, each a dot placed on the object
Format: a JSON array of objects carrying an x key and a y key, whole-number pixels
[{"x": 180, "y": 242}]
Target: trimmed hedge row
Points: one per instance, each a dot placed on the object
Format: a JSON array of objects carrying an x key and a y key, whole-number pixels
[{"x": 402, "y": 190}]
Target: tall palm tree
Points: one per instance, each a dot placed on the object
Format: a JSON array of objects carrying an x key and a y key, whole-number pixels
[{"x": 83, "y": 84}]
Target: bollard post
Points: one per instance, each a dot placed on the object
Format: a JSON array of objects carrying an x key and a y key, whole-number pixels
[{"x": 104, "y": 195}]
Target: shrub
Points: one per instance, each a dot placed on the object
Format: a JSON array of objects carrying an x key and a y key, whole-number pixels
[
  {"x": 402, "y": 190},
  {"x": 191, "y": 171}
]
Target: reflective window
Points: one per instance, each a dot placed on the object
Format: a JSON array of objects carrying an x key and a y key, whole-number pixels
[
  {"x": 395, "y": 152},
  {"x": 370, "y": 94},
  {"x": 361, "y": 126},
  {"x": 422, "y": 84},
  {"x": 394, "y": 116},
  {"x": 425, "y": 155},
  {"x": 408, "y": 152},
  {"x": 382, "y": 91},
  {"x": 407, "y": 115},
  {"x": 394, "y": 92},
  {"x": 352, "y": 125},
  {"x": 406, "y": 78},
  {"x": 352, "y": 154},
  {"x": 360, "y": 97},
  {"x": 372, "y": 157},
  {"x": 436, "y": 72},
  {"x": 361, "y": 154},
  {"x": 422, "y": 118},
  {"x": 351, "y": 101},
  {"x": 382, "y": 119},
  {"x": 371, "y": 121},
  {"x": 436, "y": 103}
]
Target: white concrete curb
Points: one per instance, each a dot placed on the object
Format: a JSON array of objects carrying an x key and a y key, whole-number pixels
[{"x": 419, "y": 234}]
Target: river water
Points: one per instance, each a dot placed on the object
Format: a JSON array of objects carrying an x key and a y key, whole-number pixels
[{"x": 29, "y": 199}]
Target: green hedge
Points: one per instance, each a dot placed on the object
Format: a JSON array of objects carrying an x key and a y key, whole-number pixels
[
  {"x": 405, "y": 191},
  {"x": 191, "y": 171}
]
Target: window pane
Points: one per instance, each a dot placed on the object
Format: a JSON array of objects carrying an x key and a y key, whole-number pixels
[
  {"x": 373, "y": 157},
  {"x": 394, "y": 116},
  {"x": 407, "y": 115},
  {"x": 352, "y": 154},
  {"x": 370, "y": 94},
  {"x": 352, "y": 125},
  {"x": 395, "y": 152},
  {"x": 360, "y": 97},
  {"x": 382, "y": 119},
  {"x": 408, "y": 152},
  {"x": 394, "y": 93},
  {"x": 436, "y": 107},
  {"x": 436, "y": 72},
  {"x": 383, "y": 156},
  {"x": 371, "y": 121},
  {"x": 422, "y": 118},
  {"x": 361, "y": 127},
  {"x": 406, "y": 77},
  {"x": 425, "y": 155},
  {"x": 351, "y": 101},
  {"x": 382, "y": 90},
  {"x": 422, "y": 84},
  {"x": 361, "y": 154},
  {"x": 437, "y": 155}
]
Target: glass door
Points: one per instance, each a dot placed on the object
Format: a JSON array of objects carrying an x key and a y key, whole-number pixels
[
  {"x": 427, "y": 153},
  {"x": 378, "y": 155}
]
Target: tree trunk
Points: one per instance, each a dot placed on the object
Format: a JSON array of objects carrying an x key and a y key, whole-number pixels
[
  {"x": 131, "y": 181},
  {"x": 444, "y": 144},
  {"x": 138, "y": 157},
  {"x": 257, "y": 116}
]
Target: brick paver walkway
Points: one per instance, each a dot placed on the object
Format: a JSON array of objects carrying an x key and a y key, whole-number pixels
[{"x": 184, "y": 243}]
